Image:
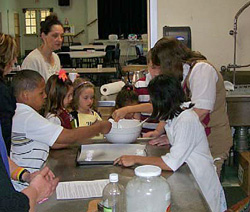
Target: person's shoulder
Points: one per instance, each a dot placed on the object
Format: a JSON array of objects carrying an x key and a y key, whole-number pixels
[
  {"x": 141, "y": 82},
  {"x": 31, "y": 57},
  {"x": 34, "y": 54},
  {"x": 188, "y": 115},
  {"x": 97, "y": 115},
  {"x": 203, "y": 64}
]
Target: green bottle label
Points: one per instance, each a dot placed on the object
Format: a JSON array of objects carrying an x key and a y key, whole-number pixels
[{"x": 107, "y": 209}]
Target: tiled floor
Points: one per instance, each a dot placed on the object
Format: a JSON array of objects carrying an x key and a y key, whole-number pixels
[{"x": 230, "y": 183}]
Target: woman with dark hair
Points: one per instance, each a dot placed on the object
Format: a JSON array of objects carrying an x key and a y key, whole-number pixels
[
  {"x": 43, "y": 59},
  {"x": 187, "y": 138},
  {"x": 204, "y": 86}
]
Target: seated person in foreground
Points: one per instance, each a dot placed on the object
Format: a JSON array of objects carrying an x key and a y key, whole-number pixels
[
  {"x": 32, "y": 134},
  {"x": 187, "y": 138},
  {"x": 41, "y": 184}
]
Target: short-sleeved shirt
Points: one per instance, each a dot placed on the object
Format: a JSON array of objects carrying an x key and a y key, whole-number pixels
[
  {"x": 35, "y": 61},
  {"x": 202, "y": 80},
  {"x": 189, "y": 145},
  {"x": 32, "y": 135},
  {"x": 84, "y": 120},
  {"x": 64, "y": 119},
  {"x": 141, "y": 88}
]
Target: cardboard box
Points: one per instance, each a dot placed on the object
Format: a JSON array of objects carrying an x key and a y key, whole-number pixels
[{"x": 244, "y": 171}]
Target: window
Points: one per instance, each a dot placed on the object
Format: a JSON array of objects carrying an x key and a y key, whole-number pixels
[
  {"x": 44, "y": 14},
  {"x": 30, "y": 22},
  {"x": 33, "y": 17}
]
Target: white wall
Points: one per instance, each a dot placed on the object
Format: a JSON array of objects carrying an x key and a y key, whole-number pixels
[
  {"x": 7, "y": 9},
  {"x": 92, "y": 30},
  {"x": 210, "y": 22},
  {"x": 76, "y": 14}
]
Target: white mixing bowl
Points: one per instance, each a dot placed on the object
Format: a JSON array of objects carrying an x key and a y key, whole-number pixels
[{"x": 124, "y": 132}]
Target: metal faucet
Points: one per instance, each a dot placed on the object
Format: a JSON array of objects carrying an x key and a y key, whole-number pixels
[{"x": 234, "y": 33}]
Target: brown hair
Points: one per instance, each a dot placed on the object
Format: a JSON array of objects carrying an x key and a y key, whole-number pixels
[
  {"x": 79, "y": 85},
  {"x": 56, "y": 90},
  {"x": 126, "y": 96},
  {"x": 48, "y": 23},
  {"x": 8, "y": 51},
  {"x": 149, "y": 56},
  {"x": 170, "y": 54}
]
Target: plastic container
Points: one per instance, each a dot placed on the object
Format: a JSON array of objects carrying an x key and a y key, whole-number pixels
[
  {"x": 113, "y": 195},
  {"x": 148, "y": 191}
]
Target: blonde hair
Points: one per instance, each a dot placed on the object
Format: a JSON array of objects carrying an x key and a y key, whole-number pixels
[
  {"x": 80, "y": 85},
  {"x": 8, "y": 51}
]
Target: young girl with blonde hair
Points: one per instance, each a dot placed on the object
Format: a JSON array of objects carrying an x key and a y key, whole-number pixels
[{"x": 83, "y": 103}]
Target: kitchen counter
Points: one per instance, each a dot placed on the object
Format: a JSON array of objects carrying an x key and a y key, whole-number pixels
[{"x": 185, "y": 193}]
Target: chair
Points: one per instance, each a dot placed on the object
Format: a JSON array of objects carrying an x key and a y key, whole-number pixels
[
  {"x": 87, "y": 49},
  {"x": 109, "y": 47},
  {"x": 140, "y": 60},
  {"x": 65, "y": 49},
  {"x": 97, "y": 43},
  {"x": 76, "y": 44},
  {"x": 108, "y": 59},
  {"x": 116, "y": 60},
  {"x": 65, "y": 60}
]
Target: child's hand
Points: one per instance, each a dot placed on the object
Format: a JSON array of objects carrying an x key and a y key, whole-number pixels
[
  {"x": 160, "y": 141},
  {"x": 125, "y": 160},
  {"x": 154, "y": 133},
  {"x": 119, "y": 113}
]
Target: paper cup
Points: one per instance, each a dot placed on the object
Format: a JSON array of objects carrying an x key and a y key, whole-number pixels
[
  {"x": 99, "y": 66},
  {"x": 72, "y": 76}
]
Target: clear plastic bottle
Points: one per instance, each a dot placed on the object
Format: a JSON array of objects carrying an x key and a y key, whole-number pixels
[
  {"x": 113, "y": 195},
  {"x": 148, "y": 191}
]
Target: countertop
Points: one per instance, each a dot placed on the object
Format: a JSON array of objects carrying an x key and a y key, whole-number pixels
[{"x": 185, "y": 193}]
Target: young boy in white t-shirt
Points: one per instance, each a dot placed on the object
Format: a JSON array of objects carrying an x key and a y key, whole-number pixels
[{"x": 32, "y": 134}]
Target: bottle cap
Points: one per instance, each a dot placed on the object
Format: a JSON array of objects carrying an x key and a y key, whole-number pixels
[
  {"x": 148, "y": 171},
  {"x": 113, "y": 178}
]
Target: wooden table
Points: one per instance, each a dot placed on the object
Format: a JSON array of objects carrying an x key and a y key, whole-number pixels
[
  {"x": 185, "y": 193},
  {"x": 91, "y": 70},
  {"x": 132, "y": 68}
]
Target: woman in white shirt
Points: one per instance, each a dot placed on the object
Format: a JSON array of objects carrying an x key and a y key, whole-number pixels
[
  {"x": 43, "y": 59},
  {"x": 203, "y": 85},
  {"x": 187, "y": 138}
]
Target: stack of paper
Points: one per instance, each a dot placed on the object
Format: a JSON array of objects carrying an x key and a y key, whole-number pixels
[{"x": 80, "y": 189}]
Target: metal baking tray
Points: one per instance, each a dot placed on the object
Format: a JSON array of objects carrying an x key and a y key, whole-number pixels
[{"x": 105, "y": 154}]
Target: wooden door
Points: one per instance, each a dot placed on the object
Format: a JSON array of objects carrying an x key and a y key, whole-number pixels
[{"x": 17, "y": 32}]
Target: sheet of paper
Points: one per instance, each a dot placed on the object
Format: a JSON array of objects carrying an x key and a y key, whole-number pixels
[{"x": 80, "y": 189}]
